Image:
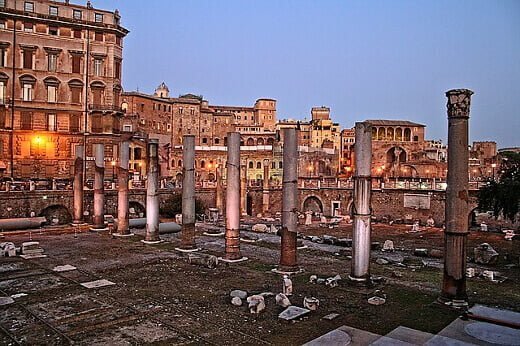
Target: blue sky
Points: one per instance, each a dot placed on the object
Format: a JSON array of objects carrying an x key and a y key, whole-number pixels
[{"x": 364, "y": 59}]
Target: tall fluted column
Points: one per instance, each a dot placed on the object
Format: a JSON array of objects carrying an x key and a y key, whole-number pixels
[
  {"x": 233, "y": 197},
  {"x": 218, "y": 190},
  {"x": 288, "y": 256},
  {"x": 456, "y": 212},
  {"x": 122, "y": 192},
  {"x": 78, "y": 184},
  {"x": 152, "y": 198},
  {"x": 360, "y": 270},
  {"x": 243, "y": 187},
  {"x": 265, "y": 189},
  {"x": 188, "y": 192},
  {"x": 99, "y": 188}
]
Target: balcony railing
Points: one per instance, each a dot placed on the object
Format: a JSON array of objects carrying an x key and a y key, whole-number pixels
[{"x": 104, "y": 107}]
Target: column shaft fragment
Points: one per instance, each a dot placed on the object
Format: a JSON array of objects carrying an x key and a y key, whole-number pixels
[
  {"x": 233, "y": 197},
  {"x": 188, "y": 192}
]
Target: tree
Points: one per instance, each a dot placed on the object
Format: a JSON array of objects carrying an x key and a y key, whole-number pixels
[{"x": 502, "y": 196}]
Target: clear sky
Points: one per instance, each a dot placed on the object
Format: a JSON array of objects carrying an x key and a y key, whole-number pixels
[{"x": 364, "y": 59}]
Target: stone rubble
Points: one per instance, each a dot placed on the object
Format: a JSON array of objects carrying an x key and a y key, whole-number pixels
[
  {"x": 7, "y": 249},
  {"x": 238, "y": 293},
  {"x": 282, "y": 300},
  {"x": 236, "y": 301},
  {"x": 256, "y": 304},
  {"x": 311, "y": 303},
  {"x": 485, "y": 254},
  {"x": 388, "y": 245}
]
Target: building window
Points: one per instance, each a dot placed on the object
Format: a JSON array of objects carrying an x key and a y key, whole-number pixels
[
  {"x": 137, "y": 153},
  {"x": 98, "y": 36},
  {"x": 3, "y": 57},
  {"x": 117, "y": 69},
  {"x": 2, "y": 23},
  {"x": 76, "y": 14},
  {"x": 97, "y": 96},
  {"x": 28, "y": 27},
  {"x": 53, "y": 30},
  {"x": 52, "y": 93},
  {"x": 28, "y": 6},
  {"x": 204, "y": 140},
  {"x": 97, "y": 123},
  {"x": 258, "y": 165},
  {"x": 2, "y": 3},
  {"x": 52, "y": 62},
  {"x": 127, "y": 128},
  {"x": 118, "y": 40},
  {"x": 181, "y": 110},
  {"x": 2, "y": 92},
  {"x": 98, "y": 18},
  {"x": 98, "y": 67},
  {"x": 76, "y": 64},
  {"x": 76, "y": 33},
  {"x": 51, "y": 122},
  {"x": 75, "y": 93},
  {"x": 251, "y": 164},
  {"x": 27, "y": 92},
  {"x": 53, "y": 11},
  {"x": 26, "y": 121},
  {"x": 74, "y": 123}
]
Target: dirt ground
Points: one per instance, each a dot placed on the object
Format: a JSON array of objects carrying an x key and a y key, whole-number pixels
[{"x": 158, "y": 298}]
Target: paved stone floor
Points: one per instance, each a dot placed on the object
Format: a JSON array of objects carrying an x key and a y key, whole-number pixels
[{"x": 157, "y": 297}]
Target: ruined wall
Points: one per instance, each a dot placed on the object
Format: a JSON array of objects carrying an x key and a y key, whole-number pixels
[{"x": 386, "y": 203}]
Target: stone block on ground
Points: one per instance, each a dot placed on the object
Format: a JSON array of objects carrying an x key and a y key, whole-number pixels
[
  {"x": 238, "y": 293},
  {"x": 97, "y": 283},
  {"x": 485, "y": 254},
  {"x": 293, "y": 312}
]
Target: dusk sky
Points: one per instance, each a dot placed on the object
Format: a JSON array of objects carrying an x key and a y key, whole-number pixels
[{"x": 363, "y": 59}]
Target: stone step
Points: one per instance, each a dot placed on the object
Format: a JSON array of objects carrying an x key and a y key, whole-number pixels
[
  {"x": 344, "y": 335},
  {"x": 409, "y": 335}
]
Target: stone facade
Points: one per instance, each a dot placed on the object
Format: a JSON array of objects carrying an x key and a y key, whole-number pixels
[{"x": 63, "y": 62}]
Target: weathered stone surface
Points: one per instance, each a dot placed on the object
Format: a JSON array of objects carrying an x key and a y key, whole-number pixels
[
  {"x": 238, "y": 293},
  {"x": 494, "y": 334},
  {"x": 64, "y": 268},
  {"x": 335, "y": 337},
  {"x": 376, "y": 300},
  {"x": 311, "y": 303},
  {"x": 6, "y": 301},
  {"x": 256, "y": 304},
  {"x": 236, "y": 301},
  {"x": 282, "y": 300},
  {"x": 381, "y": 261},
  {"x": 420, "y": 252},
  {"x": 259, "y": 227},
  {"x": 388, "y": 245},
  {"x": 330, "y": 317},
  {"x": 97, "y": 283},
  {"x": 485, "y": 254},
  {"x": 293, "y": 312}
]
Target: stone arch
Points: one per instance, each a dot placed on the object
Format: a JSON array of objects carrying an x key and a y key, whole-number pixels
[
  {"x": 260, "y": 141},
  {"x": 391, "y": 155},
  {"x": 381, "y": 133},
  {"x": 409, "y": 171},
  {"x": 258, "y": 165},
  {"x": 313, "y": 203},
  {"x": 374, "y": 133},
  {"x": 136, "y": 209},
  {"x": 56, "y": 214},
  {"x": 250, "y": 141},
  {"x": 270, "y": 141}
]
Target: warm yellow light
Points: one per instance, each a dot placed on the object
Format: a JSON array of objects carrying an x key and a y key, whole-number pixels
[
  {"x": 349, "y": 169},
  {"x": 113, "y": 163},
  {"x": 383, "y": 167},
  {"x": 493, "y": 165},
  {"x": 38, "y": 140},
  {"x": 427, "y": 171},
  {"x": 309, "y": 168}
]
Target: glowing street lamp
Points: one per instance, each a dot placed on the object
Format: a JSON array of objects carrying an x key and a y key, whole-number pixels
[{"x": 493, "y": 165}]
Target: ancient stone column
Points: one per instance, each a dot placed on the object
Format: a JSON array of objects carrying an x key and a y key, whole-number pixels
[
  {"x": 288, "y": 258},
  {"x": 122, "y": 192},
  {"x": 453, "y": 290},
  {"x": 233, "y": 197},
  {"x": 152, "y": 198},
  {"x": 265, "y": 189},
  {"x": 218, "y": 190},
  {"x": 188, "y": 192},
  {"x": 78, "y": 185},
  {"x": 243, "y": 187},
  {"x": 99, "y": 188},
  {"x": 360, "y": 270}
]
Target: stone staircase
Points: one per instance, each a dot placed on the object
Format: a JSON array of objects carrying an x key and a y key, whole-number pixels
[{"x": 458, "y": 333}]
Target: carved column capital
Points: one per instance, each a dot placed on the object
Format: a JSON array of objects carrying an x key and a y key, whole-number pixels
[{"x": 459, "y": 101}]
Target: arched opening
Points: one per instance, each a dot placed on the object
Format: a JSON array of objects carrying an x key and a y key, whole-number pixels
[
  {"x": 136, "y": 209},
  {"x": 178, "y": 179},
  {"x": 202, "y": 164},
  {"x": 374, "y": 133},
  {"x": 259, "y": 165},
  {"x": 313, "y": 204},
  {"x": 260, "y": 141},
  {"x": 398, "y": 134},
  {"x": 390, "y": 133},
  {"x": 250, "y": 166},
  {"x": 270, "y": 141},
  {"x": 57, "y": 215},
  {"x": 381, "y": 134},
  {"x": 250, "y": 141},
  {"x": 211, "y": 177},
  {"x": 407, "y": 134},
  {"x": 396, "y": 155}
]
